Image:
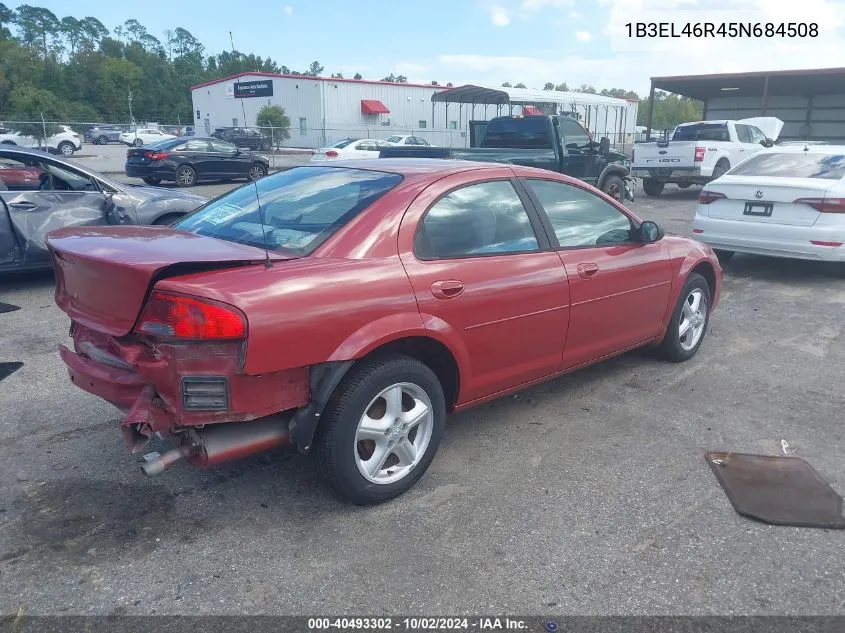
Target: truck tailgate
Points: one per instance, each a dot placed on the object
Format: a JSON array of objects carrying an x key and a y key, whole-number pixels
[{"x": 677, "y": 155}]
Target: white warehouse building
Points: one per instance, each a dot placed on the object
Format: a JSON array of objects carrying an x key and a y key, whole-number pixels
[{"x": 323, "y": 110}]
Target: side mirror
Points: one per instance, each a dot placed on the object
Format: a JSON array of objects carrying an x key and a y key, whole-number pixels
[
  {"x": 767, "y": 142},
  {"x": 604, "y": 146},
  {"x": 650, "y": 232}
]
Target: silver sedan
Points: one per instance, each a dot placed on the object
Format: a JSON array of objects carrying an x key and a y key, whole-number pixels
[{"x": 40, "y": 193}]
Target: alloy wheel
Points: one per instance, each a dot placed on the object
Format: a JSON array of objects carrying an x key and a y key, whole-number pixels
[{"x": 693, "y": 319}]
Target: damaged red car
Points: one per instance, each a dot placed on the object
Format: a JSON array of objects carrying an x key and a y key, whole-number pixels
[{"x": 345, "y": 310}]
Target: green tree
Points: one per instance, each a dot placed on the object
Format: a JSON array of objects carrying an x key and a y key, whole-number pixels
[
  {"x": 7, "y": 16},
  {"x": 401, "y": 79},
  {"x": 669, "y": 111},
  {"x": 314, "y": 69},
  {"x": 520, "y": 85},
  {"x": 29, "y": 104},
  {"x": 390, "y": 78},
  {"x": 39, "y": 27},
  {"x": 562, "y": 87},
  {"x": 274, "y": 117},
  {"x": 358, "y": 76},
  {"x": 586, "y": 89},
  {"x": 549, "y": 86},
  {"x": 507, "y": 84}
]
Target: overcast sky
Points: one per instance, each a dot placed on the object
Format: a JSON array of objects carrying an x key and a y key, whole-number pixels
[{"x": 487, "y": 41}]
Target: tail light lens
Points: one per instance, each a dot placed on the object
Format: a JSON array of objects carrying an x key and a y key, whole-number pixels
[
  {"x": 181, "y": 316},
  {"x": 824, "y": 205},
  {"x": 699, "y": 154},
  {"x": 706, "y": 197},
  {"x": 156, "y": 155},
  {"x": 332, "y": 154}
]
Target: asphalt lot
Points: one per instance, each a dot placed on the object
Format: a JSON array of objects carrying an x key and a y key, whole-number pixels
[{"x": 587, "y": 495}]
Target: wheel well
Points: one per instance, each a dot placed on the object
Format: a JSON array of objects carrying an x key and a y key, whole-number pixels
[
  {"x": 167, "y": 218},
  {"x": 435, "y": 355},
  {"x": 724, "y": 161},
  {"x": 706, "y": 270}
]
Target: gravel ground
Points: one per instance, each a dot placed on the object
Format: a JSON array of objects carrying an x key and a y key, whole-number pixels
[{"x": 586, "y": 495}]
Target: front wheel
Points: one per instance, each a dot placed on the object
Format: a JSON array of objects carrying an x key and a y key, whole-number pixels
[
  {"x": 186, "y": 176},
  {"x": 66, "y": 148},
  {"x": 257, "y": 171},
  {"x": 138, "y": 143},
  {"x": 103, "y": 140},
  {"x": 653, "y": 187},
  {"x": 152, "y": 181},
  {"x": 381, "y": 429},
  {"x": 689, "y": 321},
  {"x": 615, "y": 188}
]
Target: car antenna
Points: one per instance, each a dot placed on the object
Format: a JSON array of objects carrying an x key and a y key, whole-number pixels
[{"x": 267, "y": 262}]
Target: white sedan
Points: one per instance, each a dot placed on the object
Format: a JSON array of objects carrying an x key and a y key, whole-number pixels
[
  {"x": 408, "y": 140},
  {"x": 144, "y": 136},
  {"x": 788, "y": 201},
  {"x": 350, "y": 148}
]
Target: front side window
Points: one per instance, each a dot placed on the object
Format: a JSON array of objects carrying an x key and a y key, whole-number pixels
[
  {"x": 580, "y": 218},
  {"x": 301, "y": 208},
  {"x": 743, "y": 133},
  {"x": 481, "y": 219},
  {"x": 574, "y": 136}
]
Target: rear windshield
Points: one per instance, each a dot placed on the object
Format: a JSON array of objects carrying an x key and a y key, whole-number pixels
[
  {"x": 343, "y": 143},
  {"x": 394, "y": 139},
  {"x": 702, "y": 132},
  {"x": 793, "y": 165},
  {"x": 301, "y": 207},
  {"x": 532, "y": 133}
]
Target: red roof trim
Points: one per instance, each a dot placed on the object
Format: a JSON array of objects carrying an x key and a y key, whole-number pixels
[
  {"x": 307, "y": 78},
  {"x": 373, "y": 106}
]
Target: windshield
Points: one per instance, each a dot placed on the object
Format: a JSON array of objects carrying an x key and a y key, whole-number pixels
[
  {"x": 702, "y": 132},
  {"x": 343, "y": 143},
  {"x": 803, "y": 165},
  {"x": 302, "y": 207}
]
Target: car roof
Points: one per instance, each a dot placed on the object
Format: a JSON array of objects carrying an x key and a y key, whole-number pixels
[
  {"x": 418, "y": 166},
  {"x": 799, "y": 149}
]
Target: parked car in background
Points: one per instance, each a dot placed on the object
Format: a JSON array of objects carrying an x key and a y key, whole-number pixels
[
  {"x": 407, "y": 140},
  {"x": 67, "y": 142},
  {"x": 784, "y": 202},
  {"x": 40, "y": 193},
  {"x": 557, "y": 143},
  {"x": 191, "y": 159},
  {"x": 243, "y": 137},
  {"x": 241, "y": 328},
  {"x": 700, "y": 152},
  {"x": 104, "y": 134},
  {"x": 350, "y": 149},
  {"x": 144, "y": 136}
]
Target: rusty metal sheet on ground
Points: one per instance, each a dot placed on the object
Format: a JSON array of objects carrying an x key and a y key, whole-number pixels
[{"x": 777, "y": 490}]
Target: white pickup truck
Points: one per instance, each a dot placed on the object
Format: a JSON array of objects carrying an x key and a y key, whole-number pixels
[{"x": 700, "y": 152}]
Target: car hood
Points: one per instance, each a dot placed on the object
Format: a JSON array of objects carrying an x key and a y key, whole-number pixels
[
  {"x": 768, "y": 125},
  {"x": 144, "y": 193}
]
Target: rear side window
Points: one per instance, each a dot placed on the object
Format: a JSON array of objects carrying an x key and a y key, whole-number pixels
[
  {"x": 301, "y": 208},
  {"x": 518, "y": 133},
  {"x": 702, "y": 132},
  {"x": 793, "y": 165},
  {"x": 481, "y": 219}
]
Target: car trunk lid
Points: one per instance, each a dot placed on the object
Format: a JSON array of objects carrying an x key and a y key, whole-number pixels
[
  {"x": 103, "y": 275},
  {"x": 767, "y": 200}
]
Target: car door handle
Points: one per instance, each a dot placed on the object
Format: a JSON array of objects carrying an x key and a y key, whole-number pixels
[
  {"x": 587, "y": 271},
  {"x": 447, "y": 289},
  {"x": 23, "y": 205}
]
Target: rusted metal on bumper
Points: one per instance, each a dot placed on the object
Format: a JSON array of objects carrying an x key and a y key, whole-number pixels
[{"x": 144, "y": 381}]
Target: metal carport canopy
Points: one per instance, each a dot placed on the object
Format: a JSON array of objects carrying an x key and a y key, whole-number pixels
[{"x": 471, "y": 94}]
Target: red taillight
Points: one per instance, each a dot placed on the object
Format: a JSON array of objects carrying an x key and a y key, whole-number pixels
[
  {"x": 699, "y": 154},
  {"x": 698, "y": 230},
  {"x": 180, "y": 316},
  {"x": 332, "y": 154},
  {"x": 821, "y": 243},
  {"x": 156, "y": 155},
  {"x": 824, "y": 205},
  {"x": 706, "y": 197}
]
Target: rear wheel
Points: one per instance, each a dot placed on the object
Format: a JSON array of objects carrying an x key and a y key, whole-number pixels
[
  {"x": 66, "y": 148},
  {"x": 152, "y": 181},
  {"x": 381, "y": 429},
  {"x": 653, "y": 187},
  {"x": 614, "y": 187},
  {"x": 186, "y": 176},
  {"x": 689, "y": 321},
  {"x": 724, "y": 256},
  {"x": 103, "y": 140},
  {"x": 721, "y": 167},
  {"x": 257, "y": 171}
]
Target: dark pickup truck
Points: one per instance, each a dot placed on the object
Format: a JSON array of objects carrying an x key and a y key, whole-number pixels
[{"x": 556, "y": 143}]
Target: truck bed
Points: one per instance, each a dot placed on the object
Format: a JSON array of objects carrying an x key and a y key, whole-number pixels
[{"x": 541, "y": 158}]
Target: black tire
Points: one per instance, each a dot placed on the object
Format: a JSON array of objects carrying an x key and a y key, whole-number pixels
[
  {"x": 653, "y": 188},
  {"x": 103, "y": 140},
  {"x": 152, "y": 181},
  {"x": 670, "y": 347},
  {"x": 614, "y": 186},
  {"x": 335, "y": 441},
  {"x": 167, "y": 219},
  {"x": 721, "y": 167},
  {"x": 257, "y": 171},
  {"x": 724, "y": 256},
  {"x": 186, "y": 176},
  {"x": 138, "y": 143},
  {"x": 66, "y": 148}
]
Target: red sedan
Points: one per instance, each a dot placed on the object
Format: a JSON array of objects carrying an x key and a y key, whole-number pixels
[{"x": 346, "y": 309}]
